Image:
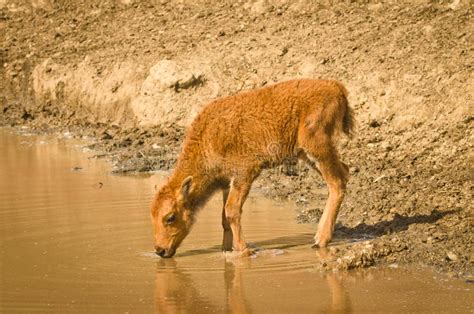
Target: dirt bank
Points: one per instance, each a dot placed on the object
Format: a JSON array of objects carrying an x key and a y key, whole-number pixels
[{"x": 133, "y": 74}]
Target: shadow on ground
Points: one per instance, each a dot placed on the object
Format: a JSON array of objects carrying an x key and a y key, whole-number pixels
[{"x": 397, "y": 224}]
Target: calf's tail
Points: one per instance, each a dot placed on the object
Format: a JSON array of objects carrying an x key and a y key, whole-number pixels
[{"x": 348, "y": 120}]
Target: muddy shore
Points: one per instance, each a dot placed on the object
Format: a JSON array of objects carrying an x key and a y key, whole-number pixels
[{"x": 89, "y": 68}]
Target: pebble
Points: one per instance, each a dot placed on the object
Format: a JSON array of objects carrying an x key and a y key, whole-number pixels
[
  {"x": 386, "y": 146},
  {"x": 374, "y": 123},
  {"x": 283, "y": 52},
  {"x": 452, "y": 257},
  {"x": 354, "y": 169}
]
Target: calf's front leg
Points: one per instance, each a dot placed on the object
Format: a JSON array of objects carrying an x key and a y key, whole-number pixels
[
  {"x": 233, "y": 212},
  {"x": 227, "y": 237}
]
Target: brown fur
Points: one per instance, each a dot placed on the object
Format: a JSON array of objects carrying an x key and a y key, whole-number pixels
[{"x": 234, "y": 138}]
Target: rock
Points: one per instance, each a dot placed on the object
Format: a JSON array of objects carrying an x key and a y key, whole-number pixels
[
  {"x": 374, "y": 123},
  {"x": 283, "y": 52},
  {"x": 106, "y": 136},
  {"x": 386, "y": 146},
  {"x": 258, "y": 7},
  {"x": 354, "y": 169},
  {"x": 452, "y": 257},
  {"x": 170, "y": 93},
  {"x": 168, "y": 74}
]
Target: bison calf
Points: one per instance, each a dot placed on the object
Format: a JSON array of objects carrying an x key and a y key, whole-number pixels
[{"x": 234, "y": 138}]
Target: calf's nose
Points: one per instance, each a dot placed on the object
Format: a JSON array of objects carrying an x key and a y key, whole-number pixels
[{"x": 159, "y": 251}]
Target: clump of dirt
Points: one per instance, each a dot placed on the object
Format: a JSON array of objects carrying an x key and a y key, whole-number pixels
[{"x": 408, "y": 68}]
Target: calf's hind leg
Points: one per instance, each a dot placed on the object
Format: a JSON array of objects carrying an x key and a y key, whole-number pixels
[{"x": 335, "y": 173}]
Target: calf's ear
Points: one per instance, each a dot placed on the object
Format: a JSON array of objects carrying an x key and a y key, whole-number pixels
[{"x": 186, "y": 186}]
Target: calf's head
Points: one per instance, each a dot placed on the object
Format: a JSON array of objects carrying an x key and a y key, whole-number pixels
[{"x": 172, "y": 217}]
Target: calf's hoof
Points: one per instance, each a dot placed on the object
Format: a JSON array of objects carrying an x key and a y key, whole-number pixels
[
  {"x": 247, "y": 252},
  {"x": 320, "y": 243},
  {"x": 226, "y": 247},
  {"x": 236, "y": 254}
]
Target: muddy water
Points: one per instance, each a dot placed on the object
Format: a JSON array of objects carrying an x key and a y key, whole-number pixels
[{"x": 74, "y": 238}]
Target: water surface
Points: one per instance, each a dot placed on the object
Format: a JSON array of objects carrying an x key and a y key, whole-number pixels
[{"x": 75, "y": 238}]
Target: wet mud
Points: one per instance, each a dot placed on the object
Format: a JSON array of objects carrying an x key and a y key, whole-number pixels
[{"x": 74, "y": 237}]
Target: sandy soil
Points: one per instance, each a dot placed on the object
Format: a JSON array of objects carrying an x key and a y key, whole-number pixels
[{"x": 408, "y": 67}]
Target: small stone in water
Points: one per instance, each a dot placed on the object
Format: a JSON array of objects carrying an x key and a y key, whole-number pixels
[{"x": 277, "y": 252}]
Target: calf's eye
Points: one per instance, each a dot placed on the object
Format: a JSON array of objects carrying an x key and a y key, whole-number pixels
[{"x": 170, "y": 219}]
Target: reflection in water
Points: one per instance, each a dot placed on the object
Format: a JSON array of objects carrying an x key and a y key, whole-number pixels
[
  {"x": 177, "y": 290},
  {"x": 340, "y": 302},
  {"x": 235, "y": 294}
]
